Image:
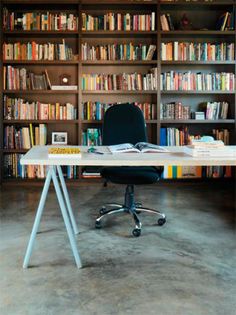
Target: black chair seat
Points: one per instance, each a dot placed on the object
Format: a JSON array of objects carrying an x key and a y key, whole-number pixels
[{"x": 135, "y": 175}]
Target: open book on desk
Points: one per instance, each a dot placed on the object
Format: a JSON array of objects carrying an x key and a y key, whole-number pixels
[{"x": 139, "y": 147}]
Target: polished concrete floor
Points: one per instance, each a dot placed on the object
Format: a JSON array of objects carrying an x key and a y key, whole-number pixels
[{"x": 186, "y": 267}]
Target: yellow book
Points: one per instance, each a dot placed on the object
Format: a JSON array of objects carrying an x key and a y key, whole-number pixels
[
  {"x": 179, "y": 171},
  {"x": 31, "y": 135},
  {"x": 170, "y": 171}
]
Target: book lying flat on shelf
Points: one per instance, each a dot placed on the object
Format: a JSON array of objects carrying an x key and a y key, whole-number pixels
[
  {"x": 64, "y": 87},
  {"x": 69, "y": 152},
  {"x": 140, "y": 147}
]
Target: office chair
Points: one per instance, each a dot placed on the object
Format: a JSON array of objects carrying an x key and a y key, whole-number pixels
[{"x": 125, "y": 123}]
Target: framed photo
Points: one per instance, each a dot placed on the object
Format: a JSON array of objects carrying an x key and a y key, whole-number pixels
[{"x": 59, "y": 137}]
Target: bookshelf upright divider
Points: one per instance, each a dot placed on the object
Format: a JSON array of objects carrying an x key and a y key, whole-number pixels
[{"x": 115, "y": 75}]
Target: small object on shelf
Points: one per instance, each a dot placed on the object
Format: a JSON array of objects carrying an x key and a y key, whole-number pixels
[
  {"x": 59, "y": 137},
  {"x": 199, "y": 115},
  {"x": 65, "y": 152},
  {"x": 65, "y": 79},
  {"x": 185, "y": 23}
]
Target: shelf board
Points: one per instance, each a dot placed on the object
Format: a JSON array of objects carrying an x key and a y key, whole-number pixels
[
  {"x": 38, "y": 2},
  {"x": 118, "y": 92},
  {"x": 34, "y": 32},
  {"x": 40, "y": 92},
  {"x": 37, "y": 121},
  {"x": 205, "y": 63},
  {"x": 141, "y": 2},
  {"x": 197, "y": 92},
  {"x": 192, "y": 32},
  {"x": 201, "y": 2},
  {"x": 193, "y": 121},
  {"x": 148, "y": 121},
  {"x": 15, "y": 150},
  {"x": 118, "y": 62},
  {"x": 116, "y": 33},
  {"x": 42, "y": 62}
]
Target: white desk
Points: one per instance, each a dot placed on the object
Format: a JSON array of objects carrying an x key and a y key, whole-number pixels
[{"x": 38, "y": 155}]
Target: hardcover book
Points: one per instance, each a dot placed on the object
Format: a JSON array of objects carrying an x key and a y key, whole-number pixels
[{"x": 64, "y": 152}]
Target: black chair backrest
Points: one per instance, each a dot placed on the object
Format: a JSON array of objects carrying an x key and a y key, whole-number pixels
[{"x": 123, "y": 123}]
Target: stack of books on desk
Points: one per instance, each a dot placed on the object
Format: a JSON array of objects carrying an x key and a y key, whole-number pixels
[{"x": 214, "y": 148}]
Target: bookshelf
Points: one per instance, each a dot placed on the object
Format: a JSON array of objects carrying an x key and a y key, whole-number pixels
[{"x": 203, "y": 15}]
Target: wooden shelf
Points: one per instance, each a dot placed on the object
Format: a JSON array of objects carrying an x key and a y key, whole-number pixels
[
  {"x": 40, "y": 33},
  {"x": 118, "y": 33},
  {"x": 118, "y": 92},
  {"x": 199, "y": 3},
  {"x": 15, "y": 150},
  {"x": 119, "y": 62},
  {"x": 42, "y": 62},
  {"x": 192, "y": 32},
  {"x": 193, "y": 121},
  {"x": 202, "y": 63},
  {"x": 24, "y": 92},
  {"x": 153, "y": 121},
  {"x": 197, "y": 92},
  {"x": 37, "y": 121}
]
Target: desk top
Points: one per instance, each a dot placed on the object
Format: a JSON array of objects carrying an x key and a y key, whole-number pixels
[{"x": 38, "y": 155}]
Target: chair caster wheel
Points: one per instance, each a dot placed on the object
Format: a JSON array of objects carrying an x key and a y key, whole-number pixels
[
  {"x": 98, "y": 225},
  {"x": 102, "y": 210},
  {"x": 136, "y": 232},
  {"x": 161, "y": 221}
]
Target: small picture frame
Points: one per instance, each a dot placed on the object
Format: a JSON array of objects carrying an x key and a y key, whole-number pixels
[{"x": 59, "y": 138}]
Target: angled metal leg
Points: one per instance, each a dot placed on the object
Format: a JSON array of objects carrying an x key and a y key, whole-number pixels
[
  {"x": 138, "y": 224},
  {"x": 66, "y": 218},
  {"x": 67, "y": 200},
  {"x": 37, "y": 218},
  {"x": 141, "y": 209},
  {"x": 117, "y": 205},
  {"x": 111, "y": 211}
]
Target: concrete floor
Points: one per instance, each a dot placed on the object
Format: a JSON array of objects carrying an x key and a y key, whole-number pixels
[{"x": 186, "y": 267}]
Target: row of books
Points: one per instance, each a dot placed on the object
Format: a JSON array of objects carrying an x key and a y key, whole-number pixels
[
  {"x": 119, "y": 21},
  {"x": 190, "y": 81},
  {"x": 211, "y": 110},
  {"x": 91, "y": 136},
  {"x": 178, "y": 51},
  {"x": 182, "y": 172},
  {"x": 175, "y": 110},
  {"x": 123, "y": 81},
  {"x": 18, "y": 108},
  {"x": 226, "y": 21},
  {"x": 24, "y": 137},
  {"x": 21, "y": 79},
  {"x": 36, "y": 21},
  {"x": 215, "y": 110},
  {"x": 189, "y": 51},
  {"x": 221, "y": 134},
  {"x": 37, "y": 51},
  {"x": 96, "y": 110},
  {"x": 116, "y": 51},
  {"x": 182, "y": 136},
  {"x": 166, "y": 22},
  {"x": 13, "y": 169}
]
